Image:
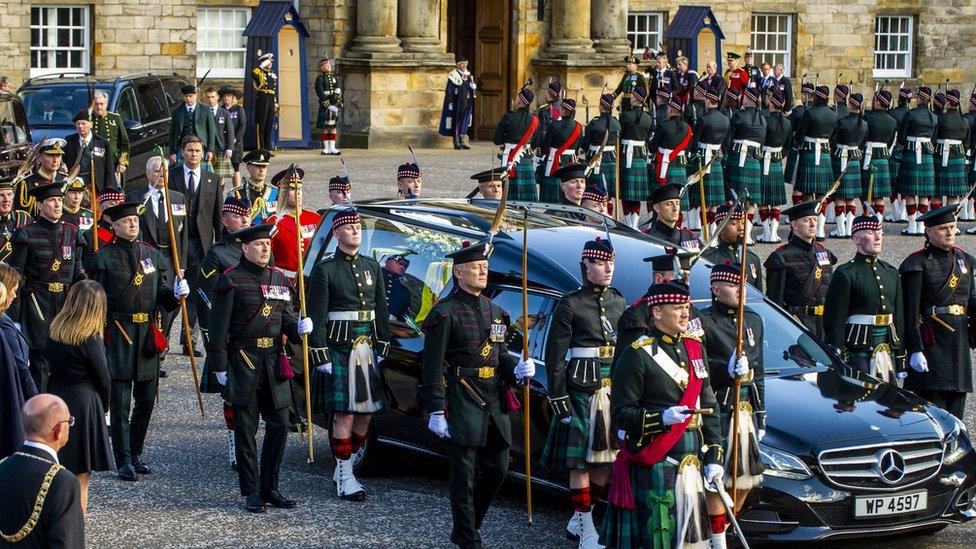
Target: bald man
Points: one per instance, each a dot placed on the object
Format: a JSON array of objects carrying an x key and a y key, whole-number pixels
[{"x": 35, "y": 468}]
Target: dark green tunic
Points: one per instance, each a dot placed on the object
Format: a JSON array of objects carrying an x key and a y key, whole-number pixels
[
  {"x": 220, "y": 257},
  {"x": 628, "y": 82},
  {"x": 797, "y": 276},
  {"x": 720, "y": 324},
  {"x": 8, "y": 226},
  {"x": 679, "y": 236},
  {"x": 725, "y": 253},
  {"x": 111, "y": 129}
]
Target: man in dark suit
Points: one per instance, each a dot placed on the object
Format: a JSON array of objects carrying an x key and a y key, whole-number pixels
[
  {"x": 192, "y": 119},
  {"x": 35, "y": 468},
  {"x": 204, "y": 195},
  {"x": 782, "y": 83},
  {"x": 87, "y": 149},
  {"x": 225, "y": 134}
]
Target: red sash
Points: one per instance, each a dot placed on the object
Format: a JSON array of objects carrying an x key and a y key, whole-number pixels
[
  {"x": 559, "y": 152},
  {"x": 621, "y": 493},
  {"x": 674, "y": 154},
  {"x": 525, "y": 137}
]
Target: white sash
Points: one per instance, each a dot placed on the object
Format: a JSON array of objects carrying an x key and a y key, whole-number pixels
[
  {"x": 630, "y": 145},
  {"x": 818, "y": 142},
  {"x": 946, "y": 147},
  {"x": 768, "y": 157}
]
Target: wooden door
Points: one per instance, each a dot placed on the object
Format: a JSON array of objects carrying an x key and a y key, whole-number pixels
[
  {"x": 706, "y": 49},
  {"x": 289, "y": 85},
  {"x": 491, "y": 65}
]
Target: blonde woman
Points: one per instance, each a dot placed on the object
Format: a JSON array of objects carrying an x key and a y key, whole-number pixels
[{"x": 79, "y": 375}]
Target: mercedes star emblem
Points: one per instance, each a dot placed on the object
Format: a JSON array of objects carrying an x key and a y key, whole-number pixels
[{"x": 891, "y": 466}]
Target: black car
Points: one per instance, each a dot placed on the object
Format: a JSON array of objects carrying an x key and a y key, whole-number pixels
[
  {"x": 15, "y": 135},
  {"x": 143, "y": 101},
  {"x": 846, "y": 454}
]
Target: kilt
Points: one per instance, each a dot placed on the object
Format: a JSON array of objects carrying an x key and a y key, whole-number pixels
[
  {"x": 654, "y": 491},
  {"x": 607, "y": 175},
  {"x": 330, "y": 392},
  {"x": 792, "y": 156},
  {"x": 916, "y": 179},
  {"x": 882, "y": 179},
  {"x": 951, "y": 180},
  {"x": 714, "y": 183},
  {"x": 223, "y": 167},
  {"x": 523, "y": 187},
  {"x": 850, "y": 184},
  {"x": 550, "y": 190},
  {"x": 566, "y": 445},
  {"x": 773, "y": 186},
  {"x": 894, "y": 165},
  {"x": 679, "y": 175},
  {"x": 748, "y": 175},
  {"x": 633, "y": 180},
  {"x": 811, "y": 178},
  {"x": 326, "y": 118}
]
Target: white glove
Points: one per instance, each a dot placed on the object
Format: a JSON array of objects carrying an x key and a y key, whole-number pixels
[
  {"x": 325, "y": 368},
  {"x": 304, "y": 326},
  {"x": 525, "y": 369},
  {"x": 338, "y": 90},
  {"x": 740, "y": 367},
  {"x": 675, "y": 415},
  {"x": 474, "y": 86},
  {"x": 181, "y": 289},
  {"x": 326, "y": 93},
  {"x": 713, "y": 474},
  {"x": 901, "y": 375},
  {"x": 334, "y": 109},
  {"x": 918, "y": 362},
  {"x": 621, "y": 434},
  {"x": 761, "y": 434},
  {"x": 221, "y": 377},
  {"x": 438, "y": 425}
]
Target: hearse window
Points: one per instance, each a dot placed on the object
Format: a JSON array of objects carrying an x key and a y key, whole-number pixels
[
  {"x": 540, "y": 313},
  {"x": 13, "y": 124},
  {"x": 154, "y": 104},
  {"x": 127, "y": 108}
]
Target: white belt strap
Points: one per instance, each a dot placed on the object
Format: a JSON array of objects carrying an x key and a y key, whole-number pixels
[
  {"x": 662, "y": 171},
  {"x": 593, "y": 150},
  {"x": 818, "y": 142},
  {"x": 552, "y": 156},
  {"x": 845, "y": 151},
  {"x": 869, "y": 152},
  {"x": 768, "y": 157},
  {"x": 865, "y": 320},
  {"x": 630, "y": 145},
  {"x": 360, "y": 316},
  {"x": 946, "y": 146},
  {"x": 710, "y": 150},
  {"x": 918, "y": 142},
  {"x": 509, "y": 147},
  {"x": 584, "y": 352},
  {"x": 744, "y": 145}
]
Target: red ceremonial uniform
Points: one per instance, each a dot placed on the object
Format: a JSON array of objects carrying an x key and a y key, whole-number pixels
[
  {"x": 738, "y": 79},
  {"x": 283, "y": 248}
]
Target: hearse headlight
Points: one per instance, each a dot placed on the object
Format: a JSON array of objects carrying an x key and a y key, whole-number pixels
[
  {"x": 957, "y": 445},
  {"x": 783, "y": 464}
]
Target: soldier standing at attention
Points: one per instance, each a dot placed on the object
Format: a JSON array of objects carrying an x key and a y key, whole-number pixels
[
  {"x": 549, "y": 112},
  {"x": 252, "y": 308},
  {"x": 137, "y": 274},
  {"x": 580, "y": 438},
  {"x": 561, "y": 141},
  {"x": 940, "y": 305},
  {"x": 952, "y": 142},
  {"x": 90, "y": 153},
  {"x": 519, "y": 127},
  {"x": 347, "y": 300},
  {"x": 262, "y": 197},
  {"x": 631, "y": 80},
  {"x": 666, "y": 205},
  {"x": 849, "y": 135},
  {"x": 798, "y": 272},
  {"x": 898, "y": 203},
  {"x": 224, "y": 254},
  {"x": 814, "y": 173},
  {"x": 228, "y": 99},
  {"x": 916, "y": 172},
  {"x": 967, "y": 213},
  {"x": 735, "y": 78},
  {"x": 727, "y": 249},
  {"x": 465, "y": 361},
  {"x": 108, "y": 125},
  {"x": 841, "y": 95},
  {"x": 47, "y": 254},
  {"x": 458, "y": 103},
  {"x": 265, "y": 115},
  {"x": 284, "y": 239},
  {"x": 806, "y": 101},
  {"x": 863, "y": 311},
  {"x": 72, "y": 211},
  {"x": 669, "y": 144},
  {"x": 47, "y": 170},
  {"x": 779, "y": 133},
  {"x": 882, "y": 134},
  {"x": 710, "y": 134},
  {"x": 329, "y": 95},
  {"x": 605, "y": 171},
  {"x": 10, "y": 219},
  {"x": 636, "y": 126},
  {"x": 744, "y": 164}
]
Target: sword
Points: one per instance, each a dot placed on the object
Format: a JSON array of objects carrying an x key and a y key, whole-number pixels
[{"x": 728, "y": 510}]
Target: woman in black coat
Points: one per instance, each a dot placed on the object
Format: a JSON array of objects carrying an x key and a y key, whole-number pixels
[
  {"x": 79, "y": 375},
  {"x": 16, "y": 383}
]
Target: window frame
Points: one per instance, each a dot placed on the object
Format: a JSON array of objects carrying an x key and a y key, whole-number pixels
[
  {"x": 908, "y": 53},
  {"x": 53, "y": 30},
  {"x": 633, "y": 35},
  {"x": 790, "y": 34},
  {"x": 208, "y": 32}
]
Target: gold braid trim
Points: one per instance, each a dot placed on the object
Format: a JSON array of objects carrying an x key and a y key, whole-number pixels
[{"x": 35, "y": 515}]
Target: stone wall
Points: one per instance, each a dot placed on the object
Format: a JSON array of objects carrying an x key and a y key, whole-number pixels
[{"x": 15, "y": 34}]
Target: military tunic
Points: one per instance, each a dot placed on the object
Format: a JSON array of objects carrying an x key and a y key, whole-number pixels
[
  {"x": 882, "y": 130},
  {"x": 265, "y": 97},
  {"x": 262, "y": 197},
  {"x": 509, "y": 132},
  {"x": 636, "y": 126},
  {"x": 628, "y": 82},
  {"x": 898, "y": 113},
  {"x": 679, "y": 236},
  {"x": 814, "y": 173},
  {"x": 47, "y": 254},
  {"x": 329, "y": 94},
  {"x": 952, "y": 141},
  {"x": 284, "y": 241},
  {"x": 727, "y": 253},
  {"x": 797, "y": 276},
  {"x": 864, "y": 309},
  {"x": 605, "y": 172},
  {"x": 110, "y": 128},
  {"x": 669, "y": 145},
  {"x": 223, "y": 255},
  {"x": 849, "y": 136},
  {"x": 916, "y": 172},
  {"x": 22, "y": 200},
  {"x": 793, "y": 156},
  {"x": 779, "y": 133},
  {"x": 583, "y": 328},
  {"x": 8, "y": 226},
  {"x": 711, "y": 131}
]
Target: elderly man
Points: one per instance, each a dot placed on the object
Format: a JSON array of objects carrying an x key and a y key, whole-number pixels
[
  {"x": 108, "y": 126},
  {"x": 10, "y": 219},
  {"x": 489, "y": 184},
  {"x": 90, "y": 152},
  {"x": 34, "y": 474}
]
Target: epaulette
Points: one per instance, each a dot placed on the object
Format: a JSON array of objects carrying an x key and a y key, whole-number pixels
[
  {"x": 687, "y": 335},
  {"x": 644, "y": 341}
]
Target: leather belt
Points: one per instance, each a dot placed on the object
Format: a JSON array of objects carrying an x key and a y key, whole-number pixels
[
  {"x": 603, "y": 351},
  {"x": 353, "y": 316},
  {"x": 871, "y": 320},
  {"x": 807, "y": 310},
  {"x": 953, "y": 310},
  {"x": 259, "y": 342},
  {"x": 485, "y": 372}
]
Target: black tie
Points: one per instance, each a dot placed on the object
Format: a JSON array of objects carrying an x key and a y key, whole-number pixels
[
  {"x": 161, "y": 229},
  {"x": 190, "y": 183}
]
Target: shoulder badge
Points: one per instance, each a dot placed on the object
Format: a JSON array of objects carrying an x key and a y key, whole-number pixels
[{"x": 643, "y": 341}]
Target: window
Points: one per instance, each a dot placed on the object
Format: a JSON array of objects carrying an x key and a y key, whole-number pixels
[
  {"x": 59, "y": 40},
  {"x": 645, "y": 30},
  {"x": 13, "y": 124},
  {"x": 153, "y": 101},
  {"x": 128, "y": 109},
  {"x": 221, "y": 46},
  {"x": 893, "y": 45},
  {"x": 540, "y": 312},
  {"x": 772, "y": 39}
]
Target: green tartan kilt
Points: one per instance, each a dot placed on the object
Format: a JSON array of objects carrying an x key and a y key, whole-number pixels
[
  {"x": 633, "y": 180},
  {"x": 811, "y": 178},
  {"x": 654, "y": 489},
  {"x": 550, "y": 190},
  {"x": 523, "y": 187},
  {"x": 951, "y": 180},
  {"x": 223, "y": 167},
  {"x": 916, "y": 179},
  {"x": 566, "y": 445},
  {"x": 850, "y": 184},
  {"x": 882, "y": 178},
  {"x": 792, "y": 157},
  {"x": 894, "y": 165},
  {"x": 714, "y": 183},
  {"x": 748, "y": 175},
  {"x": 330, "y": 392},
  {"x": 607, "y": 175},
  {"x": 773, "y": 187}
]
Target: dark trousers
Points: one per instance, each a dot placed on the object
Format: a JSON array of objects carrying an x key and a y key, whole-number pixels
[
  {"x": 39, "y": 369},
  {"x": 275, "y": 433},
  {"x": 129, "y": 432},
  {"x": 264, "y": 119},
  {"x": 194, "y": 255},
  {"x": 476, "y": 475},
  {"x": 953, "y": 402}
]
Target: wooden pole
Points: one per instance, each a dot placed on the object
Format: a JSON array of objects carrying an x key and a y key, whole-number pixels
[
  {"x": 299, "y": 274},
  {"x": 526, "y": 404},
  {"x": 618, "y": 204},
  {"x": 93, "y": 199},
  {"x": 175, "y": 255},
  {"x": 739, "y": 334}
]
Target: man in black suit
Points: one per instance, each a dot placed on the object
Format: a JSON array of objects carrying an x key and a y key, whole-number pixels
[
  {"x": 60, "y": 523},
  {"x": 204, "y": 195},
  {"x": 225, "y": 134},
  {"x": 192, "y": 119},
  {"x": 89, "y": 149},
  {"x": 782, "y": 83}
]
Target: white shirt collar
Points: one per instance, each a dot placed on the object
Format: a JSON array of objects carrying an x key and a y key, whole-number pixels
[
  {"x": 196, "y": 173},
  {"x": 41, "y": 446}
]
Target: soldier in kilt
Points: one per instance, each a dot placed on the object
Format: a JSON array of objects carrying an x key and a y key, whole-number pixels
[
  {"x": 561, "y": 141},
  {"x": 515, "y": 132},
  {"x": 875, "y": 168},
  {"x": 580, "y": 437},
  {"x": 727, "y": 249},
  {"x": 898, "y": 204},
  {"x": 224, "y": 254},
  {"x": 815, "y": 174},
  {"x": 849, "y": 135},
  {"x": 136, "y": 272},
  {"x": 669, "y": 144},
  {"x": 658, "y": 479},
  {"x": 952, "y": 142},
  {"x": 710, "y": 134},
  {"x": 967, "y": 213},
  {"x": 779, "y": 133},
  {"x": 347, "y": 299},
  {"x": 748, "y": 133},
  {"x": 916, "y": 173},
  {"x": 636, "y": 126},
  {"x": 605, "y": 173},
  {"x": 329, "y": 96},
  {"x": 796, "y": 113},
  {"x": 409, "y": 180}
]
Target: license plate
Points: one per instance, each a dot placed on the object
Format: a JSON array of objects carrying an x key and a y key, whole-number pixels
[{"x": 897, "y": 504}]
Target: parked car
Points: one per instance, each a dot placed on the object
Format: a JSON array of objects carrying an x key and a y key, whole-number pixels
[
  {"x": 143, "y": 100},
  {"x": 15, "y": 136},
  {"x": 846, "y": 455}
]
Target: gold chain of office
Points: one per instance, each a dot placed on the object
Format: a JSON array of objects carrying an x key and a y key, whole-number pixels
[{"x": 35, "y": 515}]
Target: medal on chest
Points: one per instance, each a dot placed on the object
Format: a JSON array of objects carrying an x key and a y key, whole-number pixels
[
  {"x": 695, "y": 327},
  {"x": 823, "y": 259},
  {"x": 85, "y": 223},
  {"x": 962, "y": 266},
  {"x": 275, "y": 292},
  {"x": 369, "y": 278},
  {"x": 699, "y": 365},
  {"x": 690, "y": 245},
  {"x": 266, "y": 310},
  {"x": 66, "y": 253},
  {"x": 147, "y": 266},
  {"x": 817, "y": 273},
  {"x": 497, "y": 332},
  {"x": 752, "y": 338},
  {"x": 752, "y": 269}
]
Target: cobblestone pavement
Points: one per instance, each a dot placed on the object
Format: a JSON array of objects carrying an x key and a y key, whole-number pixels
[{"x": 191, "y": 499}]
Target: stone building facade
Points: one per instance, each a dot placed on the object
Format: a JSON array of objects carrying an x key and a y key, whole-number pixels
[{"x": 394, "y": 54}]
